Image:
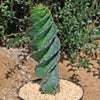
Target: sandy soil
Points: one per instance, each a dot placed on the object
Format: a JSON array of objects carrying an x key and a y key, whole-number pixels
[{"x": 16, "y": 67}]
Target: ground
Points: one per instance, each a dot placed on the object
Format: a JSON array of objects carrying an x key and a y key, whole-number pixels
[{"x": 16, "y": 67}]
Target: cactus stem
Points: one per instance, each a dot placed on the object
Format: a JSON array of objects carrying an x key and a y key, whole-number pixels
[{"x": 47, "y": 52}]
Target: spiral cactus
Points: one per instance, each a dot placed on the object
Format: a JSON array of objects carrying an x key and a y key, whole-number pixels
[{"x": 46, "y": 45}]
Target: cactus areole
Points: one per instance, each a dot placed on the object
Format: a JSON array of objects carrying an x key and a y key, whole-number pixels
[{"x": 45, "y": 44}]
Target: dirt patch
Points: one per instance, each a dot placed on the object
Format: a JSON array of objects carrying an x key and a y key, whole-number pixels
[
  {"x": 16, "y": 67},
  {"x": 14, "y": 70}
]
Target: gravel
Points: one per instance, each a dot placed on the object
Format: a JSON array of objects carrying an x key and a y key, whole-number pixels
[{"x": 68, "y": 91}]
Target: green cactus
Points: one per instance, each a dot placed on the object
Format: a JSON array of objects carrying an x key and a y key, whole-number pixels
[{"x": 46, "y": 45}]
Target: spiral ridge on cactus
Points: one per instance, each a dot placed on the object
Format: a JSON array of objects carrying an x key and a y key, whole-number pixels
[{"x": 46, "y": 45}]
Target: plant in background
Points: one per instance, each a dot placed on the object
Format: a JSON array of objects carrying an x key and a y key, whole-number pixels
[
  {"x": 46, "y": 45},
  {"x": 13, "y": 20},
  {"x": 13, "y": 15},
  {"x": 78, "y": 22}
]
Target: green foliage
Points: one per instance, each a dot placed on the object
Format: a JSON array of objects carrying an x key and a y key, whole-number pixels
[
  {"x": 78, "y": 22},
  {"x": 13, "y": 20},
  {"x": 46, "y": 45},
  {"x": 18, "y": 40},
  {"x": 13, "y": 15}
]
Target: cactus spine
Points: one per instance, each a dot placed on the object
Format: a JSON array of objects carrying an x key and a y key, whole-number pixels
[{"x": 46, "y": 45}]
